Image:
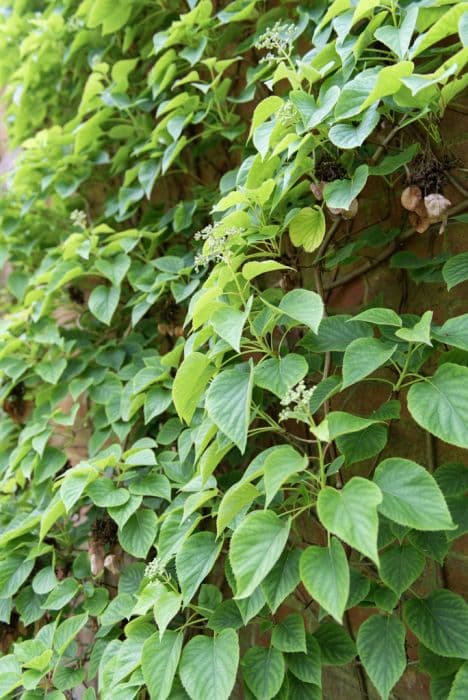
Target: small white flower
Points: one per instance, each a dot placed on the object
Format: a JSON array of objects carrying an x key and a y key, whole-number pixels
[
  {"x": 287, "y": 114},
  {"x": 215, "y": 243},
  {"x": 78, "y": 218},
  {"x": 154, "y": 569},
  {"x": 277, "y": 40},
  {"x": 296, "y": 401}
]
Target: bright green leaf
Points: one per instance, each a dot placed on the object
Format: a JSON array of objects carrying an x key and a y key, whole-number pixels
[
  {"x": 439, "y": 404},
  {"x": 208, "y": 666},
  {"x": 381, "y": 646},
  {"x": 228, "y": 403},
  {"x": 256, "y": 546},
  {"x": 411, "y": 495},
  {"x": 307, "y": 228},
  {"x": 325, "y": 574},
  {"x": 440, "y": 621},
  {"x": 351, "y": 514}
]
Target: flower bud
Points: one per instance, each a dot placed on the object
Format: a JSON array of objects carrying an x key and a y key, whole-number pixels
[
  {"x": 317, "y": 190},
  {"x": 411, "y": 197},
  {"x": 436, "y": 206},
  {"x": 420, "y": 224}
]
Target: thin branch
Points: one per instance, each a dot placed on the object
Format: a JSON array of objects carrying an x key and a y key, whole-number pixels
[
  {"x": 387, "y": 252},
  {"x": 326, "y": 241},
  {"x": 457, "y": 184},
  {"x": 386, "y": 141}
]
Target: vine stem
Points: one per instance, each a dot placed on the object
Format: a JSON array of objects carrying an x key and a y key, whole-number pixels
[
  {"x": 387, "y": 252},
  {"x": 361, "y": 676}
]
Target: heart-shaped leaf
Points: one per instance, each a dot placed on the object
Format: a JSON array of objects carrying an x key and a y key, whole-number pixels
[
  {"x": 439, "y": 404},
  {"x": 351, "y": 514}
]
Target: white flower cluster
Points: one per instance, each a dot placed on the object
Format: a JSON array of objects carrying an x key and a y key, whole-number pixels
[
  {"x": 296, "y": 401},
  {"x": 287, "y": 114},
  {"x": 154, "y": 569},
  {"x": 74, "y": 24},
  {"x": 277, "y": 40},
  {"x": 78, "y": 218},
  {"x": 214, "y": 244}
]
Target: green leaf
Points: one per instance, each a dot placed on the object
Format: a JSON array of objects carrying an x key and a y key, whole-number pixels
[
  {"x": 391, "y": 163},
  {"x": 432, "y": 544},
  {"x": 336, "y": 646},
  {"x": 256, "y": 546},
  {"x": 384, "y": 598},
  {"x": 335, "y": 334},
  {"x": 103, "y": 302},
  {"x": 104, "y": 493},
  {"x": 359, "y": 586},
  {"x": 289, "y": 635},
  {"x": 114, "y": 269},
  {"x": 61, "y": 595},
  {"x": 378, "y": 316},
  {"x": 228, "y": 403},
  {"x": 227, "y": 614},
  {"x": 208, "y": 666},
  {"x": 307, "y": 228},
  {"x": 173, "y": 533},
  {"x": 452, "y": 478},
  {"x": 152, "y": 484},
  {"x": 351, "y": 514},
  {"x": 251, "y": 606},
  {"x": 14, "y": 571},
  {"x": 27, "y": 604},
  {"x": 454, "y": 332},
  {"x": 229, "y": 323},
  {"x": 67, "y": 631},
  {"x": 314, "y": 112},
  {"x": 159, "y": 661},
  {"x": 74, "y": 484},
  {"x": 282, "y": 463},
  {"x": 157, "y": 401},
  {"x": 283, "y": 579},
  {"x": 264, "y": 111},
  {"x": 342, "y": 423},
  {"x": 325, "y": 574},
  {"x": 233, "y": 501},
  {"x": 112, "y": 14},
  {"x": 455, "y": 270},
  {"x": 189, "y": 384},
  {"x": 400, "y": 566},
  {"x": 340, "y": 193},
  {"x": 51, "y": 371},
  {"x": 347, "y": 136},
  {"x": 420, "y": 332},
  {"x": 255, "y": 268},
  {"x": 381, "y": 646},
  {"x": 444, "y": 27},
  {"x": 362, "y": 444},
  {"x": 362, "y": 357},
  {"x": 307, "y": 667},
  {"x": 411, "y": 495},
  {"x": 279, "y": 374},
  {"x": 389, "y": 81},
  {"x": 398, "y": 39},
  {"x": 303, "y": 306},
  {"x": 263, "y": 671},
  {"x": 166, "y": 605},
  {"x": 440, "y": 404},
  {"x": 44, "y": 581},
  {"x": 139, "y": 532},
  {"x": 194, "y": 561},
  {"x": 440, "y": 621},
  {"x": 459, "y": 689}
]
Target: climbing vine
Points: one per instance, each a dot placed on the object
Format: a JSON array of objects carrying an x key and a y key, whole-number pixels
[{"x": 194, "y": 502}]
